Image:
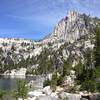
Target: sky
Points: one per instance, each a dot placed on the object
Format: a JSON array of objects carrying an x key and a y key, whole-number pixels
[{"x": 34, "y": 19}]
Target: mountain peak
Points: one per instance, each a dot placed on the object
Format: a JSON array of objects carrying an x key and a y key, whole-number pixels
[
  {"x": 72, "y": 15},
  {"x": 71, "y": 28}
]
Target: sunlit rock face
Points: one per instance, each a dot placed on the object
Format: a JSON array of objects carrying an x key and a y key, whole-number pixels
[{"x": 71, "y": 28}]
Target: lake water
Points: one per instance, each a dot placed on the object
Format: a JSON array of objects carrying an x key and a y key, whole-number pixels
[{"x": 7, "y": 83}]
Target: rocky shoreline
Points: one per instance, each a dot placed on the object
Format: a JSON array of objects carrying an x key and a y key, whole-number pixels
[
  {"x": 47, "y": 94},
  {"x": 15, "y": 73}
]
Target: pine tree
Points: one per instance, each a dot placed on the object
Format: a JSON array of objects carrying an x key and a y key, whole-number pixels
[
  {"x": 66, "y": 68},
  {"x": 79, "y": 68},
  {"x": 97, "y": 47},
  {"x": 54, "y": 81},
  {"x": 21, "y": 90}
]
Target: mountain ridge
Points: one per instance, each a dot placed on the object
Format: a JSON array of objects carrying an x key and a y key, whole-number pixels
[
  {"x": 66, "y": 58},
  {"x": 72, "y": 27},
  {"x": 76, "y": 31}
]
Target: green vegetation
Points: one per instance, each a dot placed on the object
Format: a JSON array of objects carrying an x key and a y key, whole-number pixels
[
  {"x": 78, "y": 71},
  {"x": 58, "y": 80},
  {"x": 97, "y": 47},
  {"x": 98, "y": 86},
  {"x": 66, "y": 68},
  {"x": 45, "y": 62},
  {"x": 88, "y": 85},
  {"x": 21, "y": 90},
  {"x": 88, "y": 73},
  {"x": 97, "y": 55},
  {"x": 54, "y": 81},
  {"x": 2, "y": 93},
  {"x": 85, "y": 77},
  {"x": 47, "y": 82}
]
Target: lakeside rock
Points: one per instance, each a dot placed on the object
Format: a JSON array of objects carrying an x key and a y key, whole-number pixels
[
  {"x": 36, "y": 93},
  {"x": 47, "y": 90},
  {"x": 16, "y": 73},
  {"x": 69, "y": 96},
  {"x": 47, "y": 94},
  {"x": 45, "y": 98}
]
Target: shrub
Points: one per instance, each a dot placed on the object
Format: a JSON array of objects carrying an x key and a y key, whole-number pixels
[
  {"x": 54, "y": 81},
  {"x": 2, "y": 93},
  {"x": 71, "y": 89},
  {"x": 46, "y": 83},
  {"x": 66, "y": 68},
  {"x": 60, "y": 80},
  {"x": 98, "y": 86},
  {"x": 21, "y": 90},
  {"x": 88, "y": 85}
]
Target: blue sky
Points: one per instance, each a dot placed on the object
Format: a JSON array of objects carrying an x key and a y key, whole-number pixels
[{"x": 34, "y": 19}]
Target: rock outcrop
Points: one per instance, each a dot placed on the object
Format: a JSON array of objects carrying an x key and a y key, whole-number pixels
[
  {"x": 16, "y": 73},
  {"x": 69, "y": 41},
  {"x": 71, "y": 28}
]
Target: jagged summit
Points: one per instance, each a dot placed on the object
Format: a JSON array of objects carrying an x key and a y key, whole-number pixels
[
  {"x": 71, "y": 28},
  {"x": 72, "y": 15}
]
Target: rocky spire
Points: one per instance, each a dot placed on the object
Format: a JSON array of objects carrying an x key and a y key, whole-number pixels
[
  {"x": 70, "y": 28},
  {"x": 72, "y": 15}
]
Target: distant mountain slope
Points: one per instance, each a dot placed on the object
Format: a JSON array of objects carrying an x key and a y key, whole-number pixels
[
  {"x": 69, "y": 40},
  {"x": 72, "y": 27}
]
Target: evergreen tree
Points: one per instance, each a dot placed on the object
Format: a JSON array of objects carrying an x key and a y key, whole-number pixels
[
  {"x": 97, "y": 55},
  {"x": 45, "y": 63},
  {"x": 21, "y": 90},
  {"x": 13, "y": 48},
  {"x": 88, "y": 85},
  {"x": 1, "y": 50},
  {"x": 97, "y": 47},
  {"x": 79, "y": 68},
  {"x": 54, "y": 81},
  {"x": 66, "y": 68}
]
